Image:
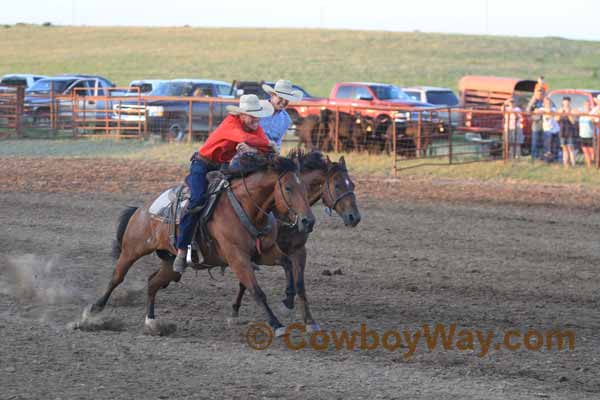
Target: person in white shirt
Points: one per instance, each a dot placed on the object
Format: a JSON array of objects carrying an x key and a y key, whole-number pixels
[
  {"x": 551, "y": 129},
  {"x": 513, "y": 125},
  {"x": 587, "y": 128}
]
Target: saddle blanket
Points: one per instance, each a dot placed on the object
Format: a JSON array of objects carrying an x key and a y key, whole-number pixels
[{"x": 164, "y": 207}]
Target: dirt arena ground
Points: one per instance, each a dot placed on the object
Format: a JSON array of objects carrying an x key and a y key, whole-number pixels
[{"x": 488, "y": 257}]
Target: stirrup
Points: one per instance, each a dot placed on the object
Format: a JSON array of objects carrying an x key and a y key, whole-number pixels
[{"x": 196, "y": 256}]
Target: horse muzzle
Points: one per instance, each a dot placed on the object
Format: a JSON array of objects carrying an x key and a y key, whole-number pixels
[
  {"x": 352, "y": 218},
  {"x": 306, "y": 224}
]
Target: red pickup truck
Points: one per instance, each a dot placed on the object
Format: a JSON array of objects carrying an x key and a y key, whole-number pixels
[
  {"x": 377, "y": 104},
  {"x": 359, "y": 96}
]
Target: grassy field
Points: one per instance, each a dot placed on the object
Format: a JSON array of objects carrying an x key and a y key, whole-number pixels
[
  {"x": 314, "y": 58},
  {"x": 359, "y": 164}
]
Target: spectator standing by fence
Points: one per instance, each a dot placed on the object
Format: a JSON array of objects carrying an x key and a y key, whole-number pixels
[
  {"x": 276, "y": 125},
  {"x": 586, "y": 133},
  {"x": 514, "y": 128},
  {"x": 568, "y": 131},
  {"x": 551, "y": 129},
  {"x": 536, "y": 108},
  {"x": 541, "y": 85}
]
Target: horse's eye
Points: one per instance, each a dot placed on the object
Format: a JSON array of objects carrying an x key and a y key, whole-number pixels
[
  {"x": 337, "y": 186},
  {"x": 288, "y": 189}
]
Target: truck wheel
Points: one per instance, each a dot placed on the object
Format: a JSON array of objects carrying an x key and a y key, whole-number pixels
[
  {"x": 41, "y": 118},
  {"x": 176, "y": 131}
]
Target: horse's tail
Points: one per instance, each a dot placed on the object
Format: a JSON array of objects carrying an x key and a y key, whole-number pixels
[{"x": 123, "y": 220}]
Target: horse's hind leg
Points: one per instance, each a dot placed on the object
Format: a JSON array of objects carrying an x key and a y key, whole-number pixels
[
  {"x": 158, "y": 280},
  {"x": 124, "y": 262}
]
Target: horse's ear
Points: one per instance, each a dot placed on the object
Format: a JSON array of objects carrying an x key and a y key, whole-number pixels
[{"x": 342, "y": 162}]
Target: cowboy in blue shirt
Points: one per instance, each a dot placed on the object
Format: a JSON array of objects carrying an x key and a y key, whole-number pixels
[{"x": 277, "y": 124}]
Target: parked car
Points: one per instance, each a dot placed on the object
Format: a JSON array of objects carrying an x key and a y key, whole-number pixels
[
  {"x": 439, "y": 97},
  {"x": 296, "y": 113},
  {"x": 105, "y": 82},
  {"x": 170, "y": 117},
  {"x": 143, "y": 86},
  {"x": 578, "y": 97},
  {"x": 368, "y": 112},
  {"x": 347, "y": 95},
  {"x": 38, "y": 98},
  {"x": 26, "y": 80}
]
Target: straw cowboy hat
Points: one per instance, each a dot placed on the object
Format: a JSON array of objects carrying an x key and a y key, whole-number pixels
[
  {"x": 285, "y": 90},
  {"x": 250, "y": 105}
]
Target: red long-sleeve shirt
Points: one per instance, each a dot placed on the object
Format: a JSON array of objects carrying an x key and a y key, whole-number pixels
[{"x": 220, "y": 145}]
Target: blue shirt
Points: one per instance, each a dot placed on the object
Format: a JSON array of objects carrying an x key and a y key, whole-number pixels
[{"x": 276, "y": 126}]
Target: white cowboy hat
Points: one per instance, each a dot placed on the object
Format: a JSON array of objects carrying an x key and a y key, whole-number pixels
[
  {"x": 285, "y": 90},
  {"x": 250, "y": 105}
]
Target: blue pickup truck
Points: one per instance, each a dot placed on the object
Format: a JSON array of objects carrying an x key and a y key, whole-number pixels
[
  {"x": 170, "y": 117},
  {"x": 39, "y": 96}
]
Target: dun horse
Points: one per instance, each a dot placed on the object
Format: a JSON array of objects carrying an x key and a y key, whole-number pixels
[
  {"x": 324, "y": 180},
  {"x": 274, "y": 186}
]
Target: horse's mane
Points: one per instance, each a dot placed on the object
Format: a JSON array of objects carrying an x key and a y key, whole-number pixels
[
  {"x": 308, "y": 161},
  {"x": 249, "y": 163},
  {"x": 313, "y": 160}
]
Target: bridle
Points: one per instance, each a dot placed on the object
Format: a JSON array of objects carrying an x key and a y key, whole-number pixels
[
  {"x": 288, "y": 224},
  {"x": 336, "y": 200}
]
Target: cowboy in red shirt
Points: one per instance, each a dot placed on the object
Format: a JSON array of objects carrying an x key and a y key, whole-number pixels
[{"x": 239, "y": 130}]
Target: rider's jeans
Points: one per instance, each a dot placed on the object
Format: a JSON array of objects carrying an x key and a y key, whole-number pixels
[{"x": 196, "y": 180}]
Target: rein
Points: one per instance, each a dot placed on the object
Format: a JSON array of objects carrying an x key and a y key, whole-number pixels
[{"x": 290, "y": 209}]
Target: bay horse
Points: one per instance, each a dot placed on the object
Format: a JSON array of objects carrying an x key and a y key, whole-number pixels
[
  {"x": 324, "y": 180},
  {"x": 273, "y": 186}
]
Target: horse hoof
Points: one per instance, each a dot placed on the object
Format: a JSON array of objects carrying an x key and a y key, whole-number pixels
[
  {"x": 92, "y": 309},
  {"x": 92, "y": 322},
  {"x": 233, "y": 321},
  {"x": 314, "y": 327},
  {"x": 281, "y": 331},
  {"x": 153, "y": 328}
]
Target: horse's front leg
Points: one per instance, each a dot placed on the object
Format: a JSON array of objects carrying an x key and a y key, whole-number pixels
[
  {"x": 242, "y": 267},
  {"x": 298, "y": 259},
  {"x": 235, "y": 313},
  {"x": 159, "y": 280},
  {"x": 290, "y": 292},
  {"x": 290, "y": 289}
]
